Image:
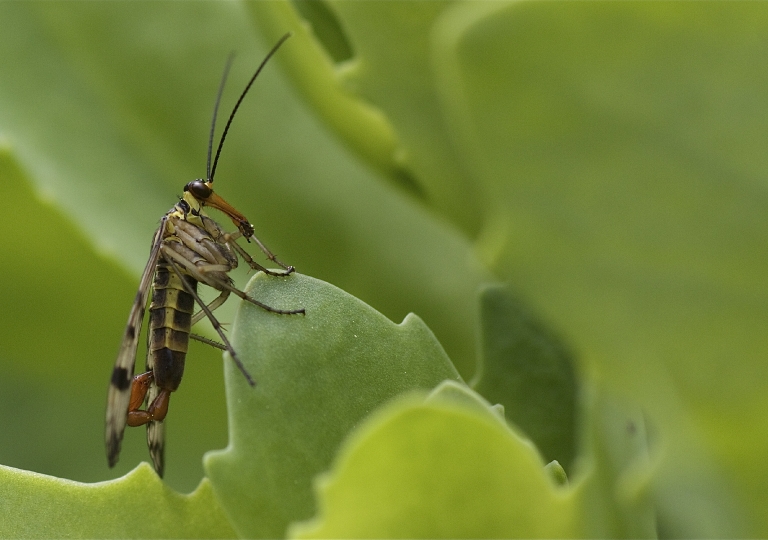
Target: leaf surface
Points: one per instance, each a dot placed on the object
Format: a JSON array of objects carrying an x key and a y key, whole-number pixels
[
  {"x": 137, "y": 505},
  {"x": 318, "y": 375}
]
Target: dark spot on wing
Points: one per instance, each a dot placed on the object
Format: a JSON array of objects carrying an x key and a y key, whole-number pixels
[
  {"x": 121, "y": 379},
  {"x": 139, "y": 298},
  {"x": 156, "y": 447}
]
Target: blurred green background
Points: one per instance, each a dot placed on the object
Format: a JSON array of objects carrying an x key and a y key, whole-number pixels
[{"x": 605, "y": 160}]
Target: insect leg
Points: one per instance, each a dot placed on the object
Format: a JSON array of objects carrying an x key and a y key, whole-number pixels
[
  {"x": 207, "y": 341},
  {"x": 231, "y": 240},
  {"x": 241, "y": 294},
  {"x": 190, "y": 267},
  {"x": 256, "y": 266},
  {"x": 214, "y": 322},
  {"x": 271, "y": 256},
  {"x": 217, "y": 302},
  {"x": 197, "y": 317}
]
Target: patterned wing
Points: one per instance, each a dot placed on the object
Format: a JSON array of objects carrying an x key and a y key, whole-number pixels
[
  {"x": 155, "y": 430},
  {"x": 156, "y": 439},
  {"x": 119, "y": 394}
]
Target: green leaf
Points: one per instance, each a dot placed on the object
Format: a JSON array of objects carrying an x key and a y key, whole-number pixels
[
  {"x": 607, "y": 160},
  {"x": 612, "y": 488},
  {"x": 444, "y": 467},
  {"x": 318, "y": 376},
  {"x": 403, "y": 133},
  {"x": 529, "y": 371},
  {"x": 137, "y": 505},
  {"x": 313, "y": 69},
  {"x": 556, "y": 473},
  {"x": 619, "y": 148}
]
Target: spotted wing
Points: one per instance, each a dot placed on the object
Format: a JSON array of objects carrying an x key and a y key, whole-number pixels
[
  {"x": 155, "y": 430},
  {"x": 119, "y": 394}
]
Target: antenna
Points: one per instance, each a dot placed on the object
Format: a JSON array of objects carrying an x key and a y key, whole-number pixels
[
  {"x": 237, "y": 105},
  {"x": 215, "y": 112}
]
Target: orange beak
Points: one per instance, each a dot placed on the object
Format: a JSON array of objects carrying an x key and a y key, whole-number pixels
[{"x": 240, "y": 221}]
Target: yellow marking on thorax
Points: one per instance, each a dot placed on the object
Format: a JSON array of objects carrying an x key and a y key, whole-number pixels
[{"x": 195, "y": 208}]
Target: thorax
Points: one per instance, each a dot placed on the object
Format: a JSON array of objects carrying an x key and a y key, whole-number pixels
[{"x": 198, "y": 239}]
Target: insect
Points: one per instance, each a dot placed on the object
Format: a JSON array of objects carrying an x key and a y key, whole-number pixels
[{"x": 188, "y": 248}]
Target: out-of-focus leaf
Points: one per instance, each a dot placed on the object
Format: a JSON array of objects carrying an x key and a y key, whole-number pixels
[
  {"x": 440, "y": 468},
  {"x": 390, "y": 70},
  {"x": 612, "y": 491},
  {"x": 619, "y": 144},
  {"x": 526, "y": 368}
]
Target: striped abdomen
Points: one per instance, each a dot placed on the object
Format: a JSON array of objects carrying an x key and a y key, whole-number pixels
[{"x": 170, "y": 321}]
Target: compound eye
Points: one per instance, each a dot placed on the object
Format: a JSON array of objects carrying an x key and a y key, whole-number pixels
[{"x": 198, "y": 189}]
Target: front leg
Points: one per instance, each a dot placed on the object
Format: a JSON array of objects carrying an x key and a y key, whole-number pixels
[
  {"x": 230, "y": 239},
  {"x": 256, "y": 266}
]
